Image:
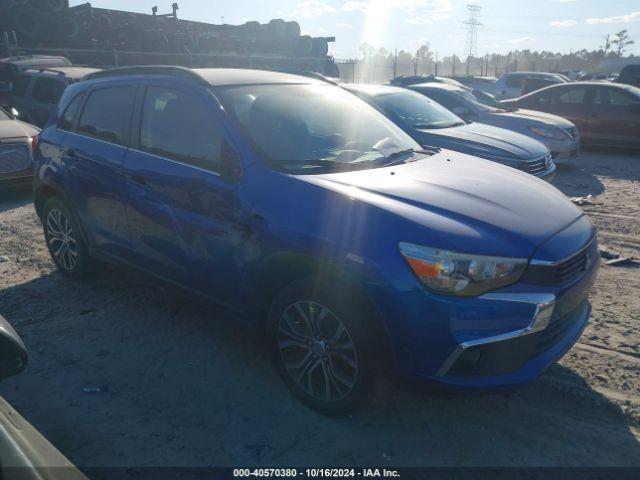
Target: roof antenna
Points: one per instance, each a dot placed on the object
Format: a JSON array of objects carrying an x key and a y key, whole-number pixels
[
  {"x": 174, "y": 6},
  {"x": 154, "y": 10}
]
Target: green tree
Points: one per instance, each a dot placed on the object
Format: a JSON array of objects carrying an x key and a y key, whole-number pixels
[{"x": 621, "y": 41}]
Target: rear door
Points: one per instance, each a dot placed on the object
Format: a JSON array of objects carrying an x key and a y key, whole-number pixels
[
  {"x": 614, "y": 116},
  {"x": 183, "y": 212},
  {"x": 94, "y": 154},
  {"x": 570, "y": 102}
]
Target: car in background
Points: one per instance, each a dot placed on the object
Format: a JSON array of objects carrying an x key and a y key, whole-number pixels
[
  {"x": 11, "y": 66},
  {"x": 559, "y": 135},
  {"x": 35, "y": 93},
  {"x": 473, "y": 81},
  {"x": 594, "y": 76},
  {"x": 24, "y": 452},
  {"x": 307, "y": 211},
  {"x": 510, "y": 84},
  {"x": 403, "y": 81},
  {"x": 629, "y": 75},
  {"x": 432, "y": 125},
  {"x": 532, "y": 84},
  {"x": 18, "y": 140},
  {"x": 604, "y": 113}
]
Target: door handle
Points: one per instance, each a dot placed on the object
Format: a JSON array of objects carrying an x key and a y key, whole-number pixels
[{"x": 139, "y": 179}]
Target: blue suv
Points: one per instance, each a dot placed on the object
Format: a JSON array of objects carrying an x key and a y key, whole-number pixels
[{"x": 302, "y": 208}]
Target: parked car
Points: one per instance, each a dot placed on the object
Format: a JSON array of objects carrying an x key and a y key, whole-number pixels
[
  {"x": 35, "y": 93},
  {"x": 472, "y": 81},
  {"x": 304, "y": 209},
  {"x": 24, "y": 452},
  {"x": 532, "y": 84},
  {"x": 11, "y": 66},
  {"x": 594, "y": 76},
  {"x": 432, "y": 125},
  {"x": 559, "y": 135},
  {"x": 406, "y": 80},
  {"x": 17, "y": 142},
  {"x": 629, "y": 75},
  {"x": 604, "y": 113},
  {"x": 510, "y": 84}
]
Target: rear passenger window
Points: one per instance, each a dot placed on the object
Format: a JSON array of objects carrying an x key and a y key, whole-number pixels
[
  {"x": 515, "y": 81},
  {"x": 572, "y": 96},
  {"x": 177, "y": 126},
  {"x": 20, "y": 85},
  {"x": 48, "y": 90},
  {"x": 66, "y": 120},
  {"x": 107, "y": 114}
]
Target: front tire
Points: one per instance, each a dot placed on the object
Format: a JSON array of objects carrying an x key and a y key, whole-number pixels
[
  {"x": 321, "y": 347},
  {"x": 64, "y": 239}
]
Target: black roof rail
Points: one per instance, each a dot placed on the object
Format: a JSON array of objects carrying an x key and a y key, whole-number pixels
[{"x": 148, "y": 70}]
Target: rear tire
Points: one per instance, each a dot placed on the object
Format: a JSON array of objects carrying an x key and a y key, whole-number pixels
[
  {"x": 64, "y": 239},
  {"x": 321, "y": 347}
]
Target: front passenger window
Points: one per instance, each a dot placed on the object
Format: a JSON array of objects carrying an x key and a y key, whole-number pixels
[{"x": 175, "y": 125}]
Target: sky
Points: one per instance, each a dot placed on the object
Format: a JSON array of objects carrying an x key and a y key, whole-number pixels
[{"x": 554, "y": 25}]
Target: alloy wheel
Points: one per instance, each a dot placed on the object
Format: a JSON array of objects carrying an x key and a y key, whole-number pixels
[
  {"x": 317, "y": 351},
  {"x": 62, "y": 241}
]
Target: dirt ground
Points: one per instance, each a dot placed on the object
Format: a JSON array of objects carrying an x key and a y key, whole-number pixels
[{"x": 183, "y": 385}]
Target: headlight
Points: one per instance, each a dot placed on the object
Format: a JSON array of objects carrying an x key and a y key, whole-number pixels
[
  {"x": 548, "y": 132},
  {"x": 460, "y": 273}
]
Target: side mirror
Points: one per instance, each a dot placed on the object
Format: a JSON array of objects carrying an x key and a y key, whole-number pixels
[
  {"x": 14, "y": 112},
  {"x": 229, "y": 163},
  {"x": 13, "y": 353}
]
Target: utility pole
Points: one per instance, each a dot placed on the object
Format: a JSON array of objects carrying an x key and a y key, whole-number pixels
[
  {"x": 472, "y": 22},
  {"x": 436, "y": 68}
]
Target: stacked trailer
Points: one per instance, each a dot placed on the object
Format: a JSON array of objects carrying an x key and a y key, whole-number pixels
[{"x": 103, "y": 38}]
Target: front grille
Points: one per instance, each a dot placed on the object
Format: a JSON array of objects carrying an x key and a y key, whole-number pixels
[
  {"x": 14, "y": 158},
  {"x": 566, "y": 270},
  {"x": 558, "y": 328},
  {"x": 538, "y": 166}
]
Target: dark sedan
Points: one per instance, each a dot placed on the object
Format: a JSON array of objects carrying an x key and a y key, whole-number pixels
[
  {"x": 432, "y": 125},
  {"x": 17, "y": 142},
  {"x": 605, "y": 113}
]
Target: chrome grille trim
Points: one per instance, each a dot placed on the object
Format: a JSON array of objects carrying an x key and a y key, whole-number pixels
[{"x": 14, "y": 157}]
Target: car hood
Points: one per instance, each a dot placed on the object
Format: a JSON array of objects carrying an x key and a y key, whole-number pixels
[
  {"x": 460, "y": 203},
  {"x": 16, "y": 129},
  {"x": 531, "y": 117},
  {"x": 484, "y": 141}
]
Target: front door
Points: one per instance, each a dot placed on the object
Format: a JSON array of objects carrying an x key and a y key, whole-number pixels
[{"x": 184, "y": 215}]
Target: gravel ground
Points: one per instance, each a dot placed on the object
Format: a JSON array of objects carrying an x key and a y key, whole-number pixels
[{"x": 182, "y": 384}]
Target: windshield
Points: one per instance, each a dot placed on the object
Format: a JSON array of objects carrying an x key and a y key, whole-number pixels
[
  {"x": 314, "y": 126},
  {"x": 417, "y": 111}
]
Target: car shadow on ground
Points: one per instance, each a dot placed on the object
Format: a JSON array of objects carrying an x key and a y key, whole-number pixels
[
  {"x": 14, "y": 197},
  {"x": 124, "y": 371}
]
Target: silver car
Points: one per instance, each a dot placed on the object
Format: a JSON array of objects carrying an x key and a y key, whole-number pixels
[
  {"x": 510, "y": 84},
  {"x": 559, "y": 135}
]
